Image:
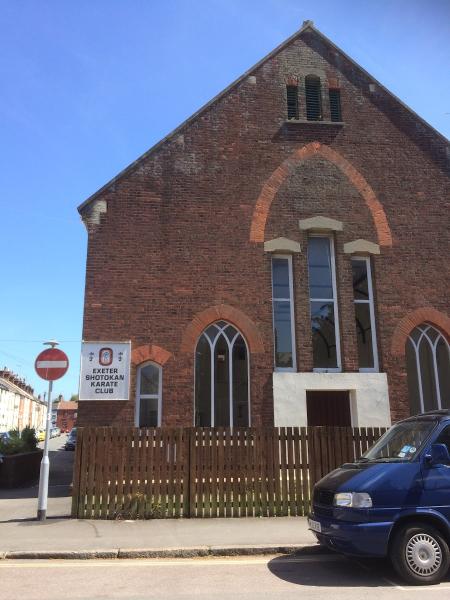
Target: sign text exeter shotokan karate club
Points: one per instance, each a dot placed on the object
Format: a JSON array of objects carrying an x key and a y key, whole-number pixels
[{"x": 105, "y": 371}]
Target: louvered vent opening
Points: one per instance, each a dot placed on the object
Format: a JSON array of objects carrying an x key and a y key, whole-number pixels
[
  {"x": 335, "y": 105},
  {"x": 313, "y": 98},
  {"x": 292, "y": 101}
]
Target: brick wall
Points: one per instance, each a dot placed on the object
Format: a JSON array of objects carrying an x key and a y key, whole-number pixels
[
  {"x": 66, "y": 419},
  {"x": 176, "y": 237}
]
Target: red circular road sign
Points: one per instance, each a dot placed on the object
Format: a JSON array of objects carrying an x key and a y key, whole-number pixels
[{"x": 51, "y": 364}]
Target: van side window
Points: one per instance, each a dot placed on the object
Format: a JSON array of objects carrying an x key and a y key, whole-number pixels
[{"x": 444, "y": 437}]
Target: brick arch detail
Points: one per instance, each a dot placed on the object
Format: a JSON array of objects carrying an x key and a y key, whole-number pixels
[
  {"x": 273, "y": 183},
  {"x": 411, "y": 320},
  {"x": 150, "y": 352},
  {"x": 217, "y": 313}
]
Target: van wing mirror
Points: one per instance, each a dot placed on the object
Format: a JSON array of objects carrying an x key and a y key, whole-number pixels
[{"x": 439, "y": 455}]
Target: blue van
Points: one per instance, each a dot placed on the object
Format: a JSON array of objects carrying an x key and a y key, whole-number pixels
[{"x": 394, "y": 501}]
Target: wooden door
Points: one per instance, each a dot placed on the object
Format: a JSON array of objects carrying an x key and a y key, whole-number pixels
[{"x": 331, "y": 408}]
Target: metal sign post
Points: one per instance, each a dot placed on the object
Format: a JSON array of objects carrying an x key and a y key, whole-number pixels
[
  {"x": 51, "y": 364},
  {"x": 45, "y": 462}
]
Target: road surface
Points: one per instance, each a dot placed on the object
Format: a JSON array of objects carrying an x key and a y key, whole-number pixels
[{"x": 254, "y": 578}]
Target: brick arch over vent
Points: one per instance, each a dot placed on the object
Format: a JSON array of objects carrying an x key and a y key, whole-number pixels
[
  {"x": 274, "y": 182},
  {"x": 150, "y": 352},
  {"x": 226, "y": 313},
  {"x": 408, "y": 323}
]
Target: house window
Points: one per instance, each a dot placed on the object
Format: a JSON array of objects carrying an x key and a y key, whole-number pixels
[
  {"x": 221, "y": 378},
  {"x": 364, "y": 314},
  {"x": 148, "y": 396},
  {"x": 323, "y": 304},
  {"x": 292, "y": 101},
  {"x": 283, "y": 313},
  {"x": 428, "y": 368},
  {"x": 335, "y": 105},
  {"x": 313, "y": 98}
]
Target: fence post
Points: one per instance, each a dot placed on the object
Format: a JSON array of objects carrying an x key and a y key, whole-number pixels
[
  {"x": 76, "y": 473},
  {"x": 191, "y": 466}
]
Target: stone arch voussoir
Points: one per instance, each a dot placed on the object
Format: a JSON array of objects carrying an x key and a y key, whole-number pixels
[
  {"x": 273, "y": 183},
  {"x": 216, "y": 313},
  {"x": 411, "y": 320}
]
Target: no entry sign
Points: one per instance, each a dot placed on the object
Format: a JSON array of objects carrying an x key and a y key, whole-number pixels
[{"x": 51, "y": 364}]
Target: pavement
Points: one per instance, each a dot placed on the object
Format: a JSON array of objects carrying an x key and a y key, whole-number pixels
[
  {"x": 71, "y": 538},
  {"x": 22, "y": 536}
]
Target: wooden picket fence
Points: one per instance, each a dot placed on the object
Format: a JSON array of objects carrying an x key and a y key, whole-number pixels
[{"x": 207, "y": 472}]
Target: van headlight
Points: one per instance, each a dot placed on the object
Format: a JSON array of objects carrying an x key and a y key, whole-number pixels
[{"x": 353, "y": 500}]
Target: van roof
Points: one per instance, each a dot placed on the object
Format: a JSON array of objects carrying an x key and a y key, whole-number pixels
[{"x": 432, "y": 415}]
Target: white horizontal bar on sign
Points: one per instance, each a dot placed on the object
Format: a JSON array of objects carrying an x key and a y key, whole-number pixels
[{"x": 51, "y": 364}]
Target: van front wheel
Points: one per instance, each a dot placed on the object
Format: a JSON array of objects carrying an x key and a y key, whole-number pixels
[{"x": 420, "y": 554}]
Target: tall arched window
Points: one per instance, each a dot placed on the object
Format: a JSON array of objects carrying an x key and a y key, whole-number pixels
[
  {"x": 313, "y": 96},
  {"x": 428, "y": 367},
  {"x": 221, "y": 378},
  {"x": 148, "y": 395}
]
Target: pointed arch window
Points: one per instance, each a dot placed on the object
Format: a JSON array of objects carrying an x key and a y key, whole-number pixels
[
  {"x": 221, "y": 378},
  {"x": 428, "y": 368}
]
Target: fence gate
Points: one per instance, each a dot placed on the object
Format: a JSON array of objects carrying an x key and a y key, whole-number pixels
[{"x": 207, "y": 472}]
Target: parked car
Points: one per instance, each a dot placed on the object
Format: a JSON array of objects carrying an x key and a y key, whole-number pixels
[
  {"x": 55, "y": 432},
  {"x": 394, "y": 501},
  {"x": 5, "y": 436},
  {"x": 40, "y": 435},
  {"x": 71, "y": 440}
]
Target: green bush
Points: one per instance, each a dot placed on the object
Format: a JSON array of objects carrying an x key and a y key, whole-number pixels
[
  {"x": 12, "y": 446},
  {"x": 19, "y": 442},
  {"x": 28, "y": 436}
]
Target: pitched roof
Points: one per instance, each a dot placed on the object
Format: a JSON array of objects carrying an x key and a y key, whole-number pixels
[
  {"x": 307, "y": 26},
  {"x": 67, "y": 405},
  {"x": 6, "y": 384}
]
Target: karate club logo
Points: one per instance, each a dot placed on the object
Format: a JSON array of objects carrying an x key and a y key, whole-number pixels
[{"x": 105, "y": 356}]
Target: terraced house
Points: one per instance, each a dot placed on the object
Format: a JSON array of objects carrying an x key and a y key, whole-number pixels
[
  {"x": 281, "y": 258},
  {"x": 19, "y": 407}
]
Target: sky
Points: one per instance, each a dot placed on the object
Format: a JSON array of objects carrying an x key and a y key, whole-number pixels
[{"x": 87, "y": 86}]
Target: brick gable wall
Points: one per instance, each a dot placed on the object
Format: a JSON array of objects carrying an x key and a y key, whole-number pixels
[{"x": 176, "y": 237}]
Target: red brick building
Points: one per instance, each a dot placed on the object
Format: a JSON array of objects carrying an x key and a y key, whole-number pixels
[
  {"x": 281, "y": 257},
  {"x": 66, "y": 415}
]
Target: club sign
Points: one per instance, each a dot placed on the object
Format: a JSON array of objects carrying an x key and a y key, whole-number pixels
[{"x": 105, "y": 371}]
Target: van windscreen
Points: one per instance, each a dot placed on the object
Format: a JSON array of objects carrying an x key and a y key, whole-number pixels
[{"x": 401, "y": 443}]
